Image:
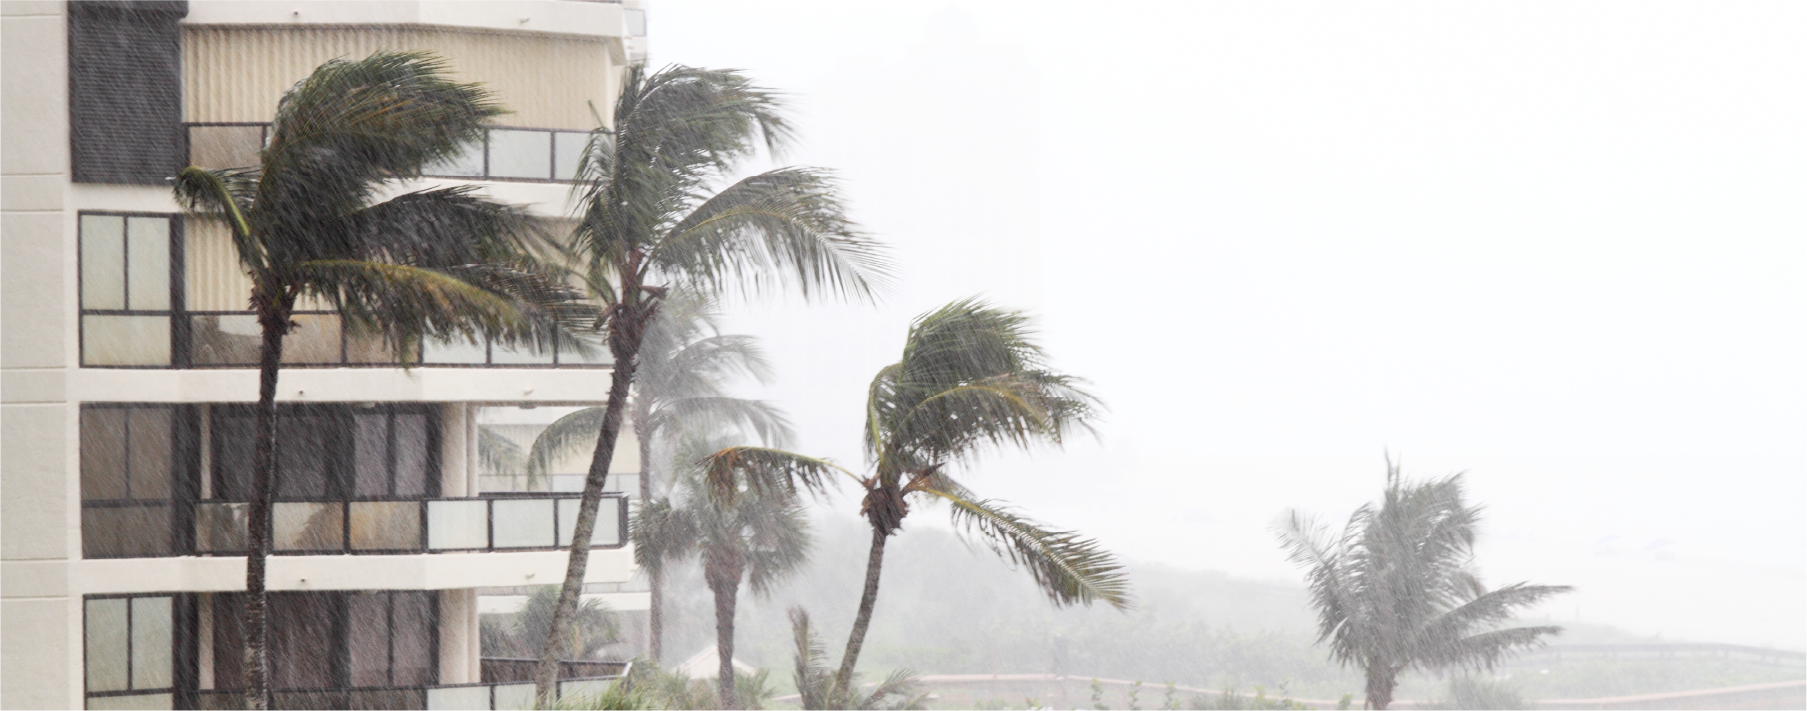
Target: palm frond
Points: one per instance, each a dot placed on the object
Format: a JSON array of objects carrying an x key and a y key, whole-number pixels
[
  {"x": 1068, "y": 568},
  {"x": 404, "y": 303},
  {"x": 352, "y": 125},
  {"x": 225, "y": 195},
  {"x": 755, "y": 417},
  {"x": 1485, "y": 650},
  {"x": 498, "y": 454},
  {"x": 571, "y": 434},
  {"x": 763, "y": 470},
  {"x": 663, "y": 533},
  {"x": 449, "y": 227},
  {"x": 782, "y": 227}
]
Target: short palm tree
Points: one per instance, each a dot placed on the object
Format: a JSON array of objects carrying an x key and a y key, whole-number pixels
[
  {"x": 760, "y": 537},
  {"x": 308, "y": 224},
  {"x": 970, "y": 381},
  {"x": 651, "y": 222},
  {"x": 680, "y": 378},
  {"x": 815, "y": 681},
  {"x": 1397, "y": 589}
]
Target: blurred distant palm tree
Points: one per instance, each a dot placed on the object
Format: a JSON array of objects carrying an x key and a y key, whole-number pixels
[
  {"x": 757, "y": 535},
  {"x": 680, "y": 385},
  {"x": 816, "y": 687},
  {"x": 970, "y": 381},
  {"x": 308, "y": 223},
  {"x": 1398, "y": 590},
  {"x": 652, "y": 221}
]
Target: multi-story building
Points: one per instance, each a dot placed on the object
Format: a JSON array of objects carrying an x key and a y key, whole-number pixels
[{"x": 129, "y": 357}]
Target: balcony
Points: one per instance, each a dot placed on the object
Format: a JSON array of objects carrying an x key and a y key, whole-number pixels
[
  {"x": 539, "y": 155},
  {"x": 509, "y": 695},
  {"x": 503, "y": 522}
]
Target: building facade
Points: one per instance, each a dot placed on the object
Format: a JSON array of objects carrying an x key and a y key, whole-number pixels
[{"x": 128, "y": 359}]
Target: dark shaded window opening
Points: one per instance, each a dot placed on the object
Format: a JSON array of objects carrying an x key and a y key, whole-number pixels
[
  {"x": 334, "y": 640},
  {"x": 125, "y": 91},
  {"x": 331, "y": 452},
  {"x": 137, "y": 479}
]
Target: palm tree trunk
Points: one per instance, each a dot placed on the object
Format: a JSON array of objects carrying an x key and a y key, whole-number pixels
[
  {"x": 1381, "y": 681},
  {"x": 624, "y": 342},
  {"x": 257, "y": 544},
  {"x": 725, "y": 599},
  {"x": 655, "y": 611},
  {"x": 875, "y": 561}
]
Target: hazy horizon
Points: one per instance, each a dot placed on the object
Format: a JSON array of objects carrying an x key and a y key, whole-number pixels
[{"x": 1549, "y": 245}]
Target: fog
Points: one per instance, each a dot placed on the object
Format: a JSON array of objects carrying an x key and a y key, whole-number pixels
[{"x": 1556, "y": 246}]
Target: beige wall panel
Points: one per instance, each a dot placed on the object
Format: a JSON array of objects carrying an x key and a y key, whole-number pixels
[
  {"x": 35, "y": 654},
  {"x": 34, "y": 85},
  {"x": 239, "y": 73},
  {"x": 31, "y": 291},
  {"x": 33, "y": 490}
]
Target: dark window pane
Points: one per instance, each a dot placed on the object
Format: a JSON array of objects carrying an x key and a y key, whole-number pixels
[
  {"x": 125, "y": 531},
  {"x": 228, "y": 640},
  {"x": 367, "y": 638},
  {"x": 301, "y": 640},
  {"x": 225, "y": 339},
  {"x": 225, "y": 146},
  {"x": 103, "y": 433},
  {"x": 151, "y": 452},
  {"x": 315, "y": 339},
  {"x": 411, "y": 454},
  {"x": 235, "y": 444},
  {"x": 372, "y": 454},
  {"x": 413, "y": 638},
  {"x": 220, "y": 527},
  {"x": 302, "y": 446}
]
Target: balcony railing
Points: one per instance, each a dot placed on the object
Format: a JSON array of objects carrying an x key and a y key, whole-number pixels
[
  {"x": 504, "y": 522},
  {"x": 511, "y": 695},
  {"x": 231, "y": 339},
  {"x": 544, "y": 155}
]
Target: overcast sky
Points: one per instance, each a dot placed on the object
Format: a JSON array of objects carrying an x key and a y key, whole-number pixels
[{"x": 1559, "y": 246}]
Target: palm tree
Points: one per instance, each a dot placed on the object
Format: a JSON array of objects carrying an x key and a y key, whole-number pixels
[
  {"x": 650, "y": 223},
  {"x": 1398, "y": 588},
  {"x": 307, "y": 224},
  {"x": 970, "y": 381},
  {"x": 815, "y": 681},
  {"x": 758, "y": 536},
  {"x": 683, "y": 365}
]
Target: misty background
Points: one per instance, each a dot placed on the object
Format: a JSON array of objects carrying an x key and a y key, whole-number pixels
[{"x": 1556, "y": 246}]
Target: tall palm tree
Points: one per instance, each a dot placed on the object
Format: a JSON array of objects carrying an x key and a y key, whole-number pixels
[
  {"x": 1397, "y": 589},
  {"x": 760, "y": 536},
  {"x": 683, "y": 367},
  {"x": 970, "y": 381},
  {"x": 650, "y": 222},
  {"x": 308, "y": 224}
]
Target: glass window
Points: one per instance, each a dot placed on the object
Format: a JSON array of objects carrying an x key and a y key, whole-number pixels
[
  {"x": 567, "y": 153},
  {"x": 224, "y": 339},
  {"x": 411, "y": 635},
  {"x": 128, "y": 644},
  {"x": 466, "y": 164},
  {"x": 608, "y": 526},
  {"x": 106, "y": 630},
  {"x": 316, "y": 339},
  {"x": 413, "y": 456},
  {"x": 457, "y": 525},
  {"x": 454, "y": 352},
  {"x": 385, "y": 525},
  {"x": 302, "y": 526},
  {"x": 520, "y": 154},
  {"x": 367, "y": 639},
  {"x": 519, "y": 355},
  {"x": 127, "y": 465},
  {"x": 371, "y": 442},
  {"x": 103, "y": 262},
  {"x": 303, "y": 445},
  {"x": 522, "y": 523},
  {"x": 219, "y": 147},
  {"x": 125, "y": 266},
  {"x": 301, "y": 640},
  {"x": 336, "y": 640}
]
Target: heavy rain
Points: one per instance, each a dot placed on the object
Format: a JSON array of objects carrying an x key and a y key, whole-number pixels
[{"x": 602, "y": 354}]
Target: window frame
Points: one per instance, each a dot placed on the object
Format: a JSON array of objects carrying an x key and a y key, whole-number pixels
[
  {"x": 184, "y": 655},
  {"x": 177, "y": 287},
  {"x": 184, "y": 484}
]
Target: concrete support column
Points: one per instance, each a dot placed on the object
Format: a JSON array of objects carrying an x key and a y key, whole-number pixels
[{"x": 460, "y": 642}]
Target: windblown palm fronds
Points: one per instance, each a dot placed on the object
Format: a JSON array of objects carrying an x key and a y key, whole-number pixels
[
  {"x": 651, "y": 221},
  {"x": 816, "y": 686},
  {"x": 971, "y": 380},
  {"x": 1397, "y": 588},
  {"x": 440, "y": 263}
]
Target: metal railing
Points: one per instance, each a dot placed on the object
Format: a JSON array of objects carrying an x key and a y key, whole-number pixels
[
  {"x": 506, "y": 695},
  {"x": 543, "y": 155},
  {"x": 498, "y": 522}
]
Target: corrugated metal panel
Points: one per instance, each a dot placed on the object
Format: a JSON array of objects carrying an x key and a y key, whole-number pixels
[
  {"x": 216, "y": 281},
  {"x": 239, "y": 73}
]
